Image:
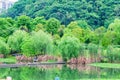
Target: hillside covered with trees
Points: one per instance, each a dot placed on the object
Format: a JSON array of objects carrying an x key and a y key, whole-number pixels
[{"x": 95, "y": 12}]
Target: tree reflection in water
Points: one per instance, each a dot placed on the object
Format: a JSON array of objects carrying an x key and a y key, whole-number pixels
[{"x": 49, "y": 72}]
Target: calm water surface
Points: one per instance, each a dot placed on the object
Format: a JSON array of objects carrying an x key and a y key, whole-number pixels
[{"x": 64, "y": 72}]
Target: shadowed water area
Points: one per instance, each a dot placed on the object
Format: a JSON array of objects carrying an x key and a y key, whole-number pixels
[{"x": 64, "y": 72}]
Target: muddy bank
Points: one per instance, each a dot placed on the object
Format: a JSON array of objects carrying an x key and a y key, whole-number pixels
[
  {"x": 40, "y": 58},
  {"x": 49, "y": 58},
  {"x": 83, "y": 60}
]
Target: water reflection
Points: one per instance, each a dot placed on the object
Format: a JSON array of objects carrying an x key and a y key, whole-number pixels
[{"x": 64, "y": 72}]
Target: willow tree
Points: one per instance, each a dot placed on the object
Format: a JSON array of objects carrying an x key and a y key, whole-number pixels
[
  {"x": 37, "y": 43},
  {"x": 93, "y": 49},
  {"x": 16, "y": 39},
  {"x": 69, "y": 47}
]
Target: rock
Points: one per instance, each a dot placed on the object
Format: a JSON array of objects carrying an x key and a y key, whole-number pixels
[
  {"x": 18, "y": 58},
  {"x": 24, "y": 59},
  {"x": 1, "y": 56},
  {"x": 83, "y": 60},
  {"x": 45, "y": 58},
  {"x": 30, "y": 59},
  {"x": 40, "y": 58},
  {"x": 72, "y": 61}
]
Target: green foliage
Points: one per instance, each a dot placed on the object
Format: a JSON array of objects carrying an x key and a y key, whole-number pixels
[
  {"x": 24, "y": 22},
  {"x": 16, "y": 39},
  {"x": 5, "y": 27},
  {"x": 3, "y": 39},
  {"x": 56, "y": 39},
  {"x": 115, "y": 26},
  {"x": 39, "y": 20},
  {"x": 93, "y": 49},
  {"x": 73, "y": 25},
  {"x": 115, "y": 29},
  {"x": 83, "y": 49},
  {"x": 113, "y": 54},
  {"x": 108, "y": 38},
  {"x": 61, "y": 30},
  {"x": 69, "y": 47},
  {"x": 27, "y": 47},
  {"x": 111, "y": 37},
  {"x": 83, "y": 24},
  {"x": 73, "y": 29},
  {"x": 95, "y": 13},
  {"x": 78, "y": 33},
  {"x": 106, "y": 65},
  {"x": 39, "y": 27},
  {"x": 98, "y": 35},
  {"x": 18, "y": 8},
  {"x": 11, "y": 21},
  {"x": 4, "y": 48},
  {"x": 37, "y": 43},
  {"x": 52, "y": 25},
  {"x": 42, "y": 42},
  {"x": 8, "y": 60}
]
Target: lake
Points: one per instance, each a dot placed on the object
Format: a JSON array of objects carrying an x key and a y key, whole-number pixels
[{"x": 64, "y": 72}]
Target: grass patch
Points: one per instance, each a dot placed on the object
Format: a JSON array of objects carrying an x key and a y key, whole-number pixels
[
  {"x": 8, "y": 60},
  {"x": 51, "y": 61},
  {"x": 106, "y": 65}
]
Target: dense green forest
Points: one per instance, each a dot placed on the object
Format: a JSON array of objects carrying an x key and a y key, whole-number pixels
[
  {"x": 38, "y": 36},
  {"x": 95, "y": 12},
  {"x": 67, "y": 28}
]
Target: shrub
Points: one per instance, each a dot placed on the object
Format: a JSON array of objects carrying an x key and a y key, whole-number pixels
[
  {"x": 4, "y": 48},
  {"x": 113, "y": 54}
]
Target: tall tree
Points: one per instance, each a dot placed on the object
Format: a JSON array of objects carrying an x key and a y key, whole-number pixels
[
  {"x": 52, "y": 25},
  {"x": 69, "y": 47}
]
